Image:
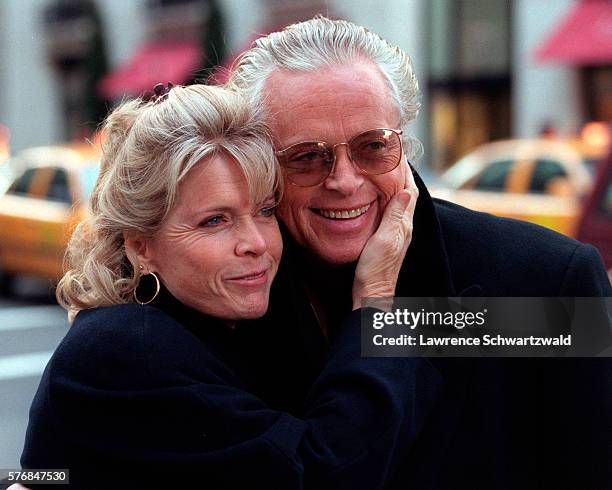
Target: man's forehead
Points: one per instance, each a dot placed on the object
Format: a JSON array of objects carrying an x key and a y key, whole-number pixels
[
  {"x": 300, "y": 87},
  {"x": 329, "y": 96}
]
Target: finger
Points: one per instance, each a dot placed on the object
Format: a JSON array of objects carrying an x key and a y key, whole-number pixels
[
  {"x": 413, "y": 191},
  {"x": 409, "y": 177},
  {"x": 394, "y": 213}
]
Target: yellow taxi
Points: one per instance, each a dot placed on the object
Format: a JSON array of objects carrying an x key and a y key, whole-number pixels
[
  {"x": 5, "y": 178},
  {"x": 593, "y": 143},
  {"x": 40, "y": 208},
  {"x": 538, "y": 180}
]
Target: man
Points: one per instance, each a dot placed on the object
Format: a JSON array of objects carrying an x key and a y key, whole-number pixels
[{"x": 334, "y": 93}]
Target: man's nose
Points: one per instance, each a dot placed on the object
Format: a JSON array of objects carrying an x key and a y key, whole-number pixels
[
  {"x": 250, "y": 240},
  {"x": 346, "y": 178}
]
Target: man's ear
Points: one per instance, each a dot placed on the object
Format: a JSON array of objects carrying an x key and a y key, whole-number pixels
[{"x": 138, "y": 250}]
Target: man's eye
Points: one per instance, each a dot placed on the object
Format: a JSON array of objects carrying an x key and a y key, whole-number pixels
[
  {"x": 268, "y": 211},
  {"x": 212, "y": 221},
  {"x": 374, "y": 145},
  {"x": 307, "y": 156}
]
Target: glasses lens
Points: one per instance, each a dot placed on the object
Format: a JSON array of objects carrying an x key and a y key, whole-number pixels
[
  {"x": 377, "y": 151},
  {"x": 307, "y": 164}
]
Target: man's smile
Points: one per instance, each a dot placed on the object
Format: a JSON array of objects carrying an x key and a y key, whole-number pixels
[{"x": 343, "y": 213}]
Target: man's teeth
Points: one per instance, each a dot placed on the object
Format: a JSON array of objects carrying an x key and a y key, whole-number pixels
[{"x": 345, "y": 214}]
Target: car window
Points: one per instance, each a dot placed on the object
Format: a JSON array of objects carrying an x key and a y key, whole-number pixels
[
  {"x": 59, "y": 189},
  {"x": 22, "y": 184},
  {"x": 544, "y": 173},
  {"x": 87, "y": 177},
  {"x": 605, "y": 205},
  {"x": 493, "y": 178},
  {"x": 591, "y": 165}
]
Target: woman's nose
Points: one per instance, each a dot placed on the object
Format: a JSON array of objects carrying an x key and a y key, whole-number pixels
[{"x": 251, "y": 240}]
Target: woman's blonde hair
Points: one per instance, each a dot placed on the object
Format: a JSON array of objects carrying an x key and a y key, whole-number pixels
[
  {"x": 322, "y": 42},
  {"x": 148, "y": 149}
]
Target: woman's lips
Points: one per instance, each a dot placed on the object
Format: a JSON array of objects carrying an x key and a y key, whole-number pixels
[{"x": 255, "y": 278}]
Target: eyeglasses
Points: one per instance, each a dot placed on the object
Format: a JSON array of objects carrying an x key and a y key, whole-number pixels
[{"x": 309, "y": 163}]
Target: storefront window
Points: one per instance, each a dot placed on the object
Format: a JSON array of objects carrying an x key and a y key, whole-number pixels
[
  {"x": 469, "y": 75},
  {"x": 598, "y": 92}
]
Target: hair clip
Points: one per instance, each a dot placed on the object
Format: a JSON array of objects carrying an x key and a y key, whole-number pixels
[{"x": 158, "y": 93}]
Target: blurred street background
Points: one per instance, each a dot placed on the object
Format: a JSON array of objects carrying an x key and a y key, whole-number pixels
[
  {"x": 31, "y": 326},
  {"x": 515, "y": 121}
]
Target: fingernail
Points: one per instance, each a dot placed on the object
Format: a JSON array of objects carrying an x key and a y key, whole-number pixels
[{"x": 404, "y": 197}]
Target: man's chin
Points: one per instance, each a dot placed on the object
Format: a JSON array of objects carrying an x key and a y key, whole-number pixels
[{"x": 339, "y": 255}]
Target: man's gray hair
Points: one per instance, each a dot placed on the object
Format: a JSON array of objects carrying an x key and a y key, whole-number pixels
[{"x": 322, "y": 42}]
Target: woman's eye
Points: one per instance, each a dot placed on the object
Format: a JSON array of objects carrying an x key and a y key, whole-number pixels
[{"x": 212, "y": 221}]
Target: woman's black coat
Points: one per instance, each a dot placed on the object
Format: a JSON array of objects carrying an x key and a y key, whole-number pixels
[{"x": 135, "y": 397}]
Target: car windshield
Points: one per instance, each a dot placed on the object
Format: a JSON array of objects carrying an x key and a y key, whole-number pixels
[
  {"x": 88, "y": 176},
  {"x": 5, "y": 178},
  {"x": 591, "y": 165},
  {"x": 605, "y": 205}
]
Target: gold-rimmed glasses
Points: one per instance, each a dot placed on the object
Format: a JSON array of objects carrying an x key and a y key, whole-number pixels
[{"x": 374, "y": 152}]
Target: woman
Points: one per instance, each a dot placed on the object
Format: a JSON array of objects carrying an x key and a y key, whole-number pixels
[{"x": 149, "y": 387}]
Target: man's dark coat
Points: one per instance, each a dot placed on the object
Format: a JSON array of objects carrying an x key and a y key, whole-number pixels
[{"x": 498, "y": 423}]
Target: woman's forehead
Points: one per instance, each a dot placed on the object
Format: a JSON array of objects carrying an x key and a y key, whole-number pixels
[{"x": 215, "y": 183}]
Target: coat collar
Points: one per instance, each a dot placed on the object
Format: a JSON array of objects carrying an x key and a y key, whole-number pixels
[{"x": 425, "y": 271}]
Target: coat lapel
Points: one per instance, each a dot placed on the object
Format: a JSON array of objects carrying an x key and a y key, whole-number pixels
[{"x": 425, "y": 271}]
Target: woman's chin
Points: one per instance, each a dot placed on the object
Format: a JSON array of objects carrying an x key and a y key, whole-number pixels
[{"x": 236, "y": 308}]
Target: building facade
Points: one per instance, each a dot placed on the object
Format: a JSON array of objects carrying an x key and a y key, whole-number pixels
[{"x": 475, "y": 60}]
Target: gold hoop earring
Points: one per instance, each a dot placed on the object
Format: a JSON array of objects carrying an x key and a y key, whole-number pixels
[{"x": 157, "y": 288}]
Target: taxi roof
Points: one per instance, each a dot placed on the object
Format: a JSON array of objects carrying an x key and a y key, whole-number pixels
[
  {"x": 68, "y": 157},
  {"x": 518, "y": 149}
]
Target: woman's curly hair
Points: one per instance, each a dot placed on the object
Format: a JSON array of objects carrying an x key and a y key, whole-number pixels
[{"x": 149, "y": 147}]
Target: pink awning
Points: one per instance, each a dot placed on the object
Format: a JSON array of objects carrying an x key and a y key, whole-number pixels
[
  {"x": 155, "y": 62},
  {"x": 584, "y": 37},
  {"x": 223, "y": 72}
]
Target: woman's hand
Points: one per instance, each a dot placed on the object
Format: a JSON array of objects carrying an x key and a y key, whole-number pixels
[{"x": 381, "y": 259}]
